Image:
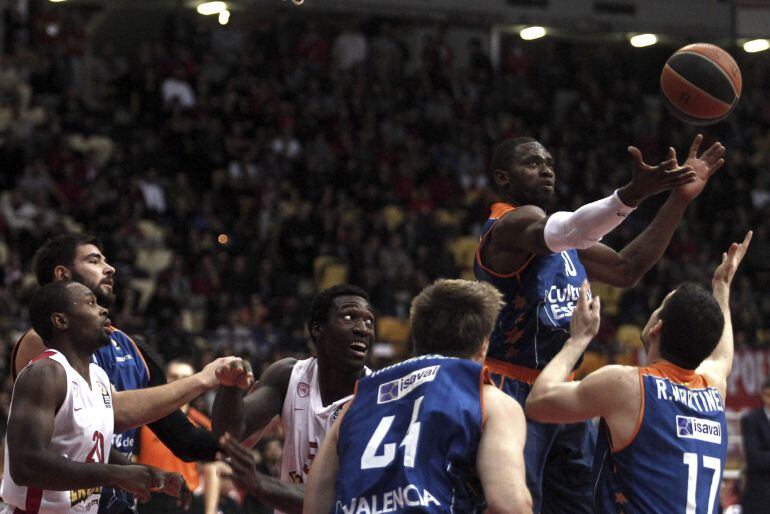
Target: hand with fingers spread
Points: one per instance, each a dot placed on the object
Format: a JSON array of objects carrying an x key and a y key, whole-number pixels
[
  {"x": 585, "y": 318},
  {"x": 650, "y": 180},
  {"x": 731, "y": 259},
  {"x": 704, "y": 167},
  {"x": 235, "y": 373},
  {"x": 242, "y": 463}
]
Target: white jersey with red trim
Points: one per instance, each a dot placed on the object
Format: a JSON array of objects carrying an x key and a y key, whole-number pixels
[
  {"x": 305, "y": 420},
  {"x": 82, "y": 432}
]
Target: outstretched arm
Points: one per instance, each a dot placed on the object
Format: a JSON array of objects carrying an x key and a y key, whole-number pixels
[
  {"x": 242, "y": 417},
  {"x": 627, "y": 267},
  {"x": 500, "y": 458},
  {"x": 718, "y": 365},
  {"x": 529, "y": 230},
  {"x": 283, "y": 496},
  {"x": 138, "y": 407}
]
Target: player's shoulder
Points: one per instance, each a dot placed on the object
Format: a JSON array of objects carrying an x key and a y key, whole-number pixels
[
  {"x": 42, "y": 370},
  {"x": 279, "y": 372},
  {"x": 613, "y": 380}
]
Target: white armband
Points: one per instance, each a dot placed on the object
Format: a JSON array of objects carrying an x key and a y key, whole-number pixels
[{"x": 586, "y": 226}]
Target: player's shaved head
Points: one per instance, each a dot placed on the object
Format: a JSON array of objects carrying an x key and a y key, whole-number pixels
[{"x": 49, "y": 299}]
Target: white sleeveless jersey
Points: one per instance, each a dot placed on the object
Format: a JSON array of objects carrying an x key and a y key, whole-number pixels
[
  {"x": 82, "y": 431},
  {"x": 305, "y": 420}
]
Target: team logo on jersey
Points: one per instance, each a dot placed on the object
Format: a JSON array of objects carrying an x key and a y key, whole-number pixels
[
  {"x": 705, "y": 430},
  {"x": 396, "y": 389},
  {"x": 106, "y": 396},
  {"x": 116, "y": 345},
  {"x": 303, "y": 390}
]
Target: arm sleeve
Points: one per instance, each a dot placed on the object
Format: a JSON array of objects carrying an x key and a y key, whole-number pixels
[
  {"x": 185, "y": 440},
  {"x": 586, "y": 226}
]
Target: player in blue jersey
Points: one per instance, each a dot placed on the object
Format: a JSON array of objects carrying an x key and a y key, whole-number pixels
[
  {"x": 663, "y": 440},
  {"x": 538, "y": 261},
  {"x": 419, "y": 435},
  {"x": 79, "y": 257}
]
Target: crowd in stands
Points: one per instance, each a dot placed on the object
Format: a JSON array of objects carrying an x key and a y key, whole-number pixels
[{"x": 231, "y": 172}]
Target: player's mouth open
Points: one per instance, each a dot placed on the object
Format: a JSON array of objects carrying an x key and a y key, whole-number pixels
[{"x": 359, "y": 347}]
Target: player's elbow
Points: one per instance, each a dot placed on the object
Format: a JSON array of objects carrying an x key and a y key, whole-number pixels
[
  {"x": 535, "y": 407},
  {"x": 21, "y": 469}
]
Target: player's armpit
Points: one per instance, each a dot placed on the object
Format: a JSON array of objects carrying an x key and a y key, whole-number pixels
[{"x": 500, "y": 458}]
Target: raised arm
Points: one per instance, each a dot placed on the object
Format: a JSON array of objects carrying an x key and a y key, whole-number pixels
[
  {"x": 717, "y": 366},
  {"x": 141, "y": 406},
  {"x": 612, "y": 392},
  {"x": 242, "y": 417},
  {"x": 528, "y": 229},
  {"x": 626, "y": 267},
  {"x": 500, "y": 458}
]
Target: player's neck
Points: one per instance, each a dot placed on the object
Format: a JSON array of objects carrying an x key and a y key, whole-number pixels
[
  {"x": 335, "y": 382},
  {"x": 79, "y": 359}
]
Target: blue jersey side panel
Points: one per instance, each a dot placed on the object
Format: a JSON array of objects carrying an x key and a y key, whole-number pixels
[
  {"x": 534, "y": 323},
  {"x": 127, "y": 371},
  {"x": 408, "y": 442},
  {"x": 677, "y": 456}
]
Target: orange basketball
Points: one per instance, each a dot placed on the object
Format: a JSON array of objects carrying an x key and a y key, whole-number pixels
[{"x": 701, "y": 83}]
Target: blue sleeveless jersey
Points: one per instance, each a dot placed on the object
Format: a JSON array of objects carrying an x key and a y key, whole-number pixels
[
  {"x": 539, "y": 298},
  {"x": 408, "y": 441},
  {"x": 127, "y": 371},
  {"x": 675, "y": 461}
]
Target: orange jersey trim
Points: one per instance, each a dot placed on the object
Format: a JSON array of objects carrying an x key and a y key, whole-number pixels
[
  {"x": 639, "y": 420},
  {"x": 675, "y": 374},
  {"x": 515, "y": 372},
  {"x": 138, "y": 351},
  {"x": 498, "y": 211}
]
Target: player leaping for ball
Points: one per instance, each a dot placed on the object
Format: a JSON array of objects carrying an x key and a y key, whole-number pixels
[
  {"x": 663, "y": 438},
  {"x": 539, "y": 262}
]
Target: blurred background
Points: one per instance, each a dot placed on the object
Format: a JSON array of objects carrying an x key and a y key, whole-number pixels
[{"x": 236, "y": 162}]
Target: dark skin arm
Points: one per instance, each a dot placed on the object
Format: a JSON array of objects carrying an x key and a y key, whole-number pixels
[
  {"x": 241, "y": 416},
  {"x": 270, "y": 490},
  {"x": 520, "y": 233},
  {"x": 38, "y": 394}
]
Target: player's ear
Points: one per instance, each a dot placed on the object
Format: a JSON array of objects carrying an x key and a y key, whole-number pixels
[
  {"x": 656, "y": 328},
  {"x": 481, "y": 354},
  {"x": 59, "y": 321},
  {"x": 316, "y": 331},
  {"x": 61, "y": 273},
  {"x": 501, "y": 178}
]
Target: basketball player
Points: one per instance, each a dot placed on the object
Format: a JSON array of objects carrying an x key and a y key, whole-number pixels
[
  {"x": 663, "y": 440},
  {"x": 307, "y": 394},
  {"x": 63, "y": 412},
  {"x": 79, "y": 257},
  {"x": 539, "y": 262},
  {"x": 417, "y": 432}
]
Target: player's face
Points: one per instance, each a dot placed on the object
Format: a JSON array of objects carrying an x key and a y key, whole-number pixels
[
  {"x": 178, "y": 370},
  {"x": 88, "y": 321},
  {"x": 532, "y": 177},
  {"x": 90, "y": 268},
  {"x": 348, "y": 333},
  {"x": 654, "y": 318}
]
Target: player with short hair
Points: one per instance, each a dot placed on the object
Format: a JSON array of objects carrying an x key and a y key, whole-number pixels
[
  {"x": 538, "y": 261},
  {"x": 307, "y": 394},
  {"x": 663, "y": 440},
  {"x": 64, "y": 409},
  {"x": 418, "y": 433},
  {"x": 129, "y": 365}
]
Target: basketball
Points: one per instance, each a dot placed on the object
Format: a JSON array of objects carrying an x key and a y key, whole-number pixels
[{"x": 701, "y": 84}]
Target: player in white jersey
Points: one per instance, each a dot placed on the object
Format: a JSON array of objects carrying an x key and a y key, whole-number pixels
[
  {"x": 64, "y": 410},
  {"x": 307, "y": 394}
]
